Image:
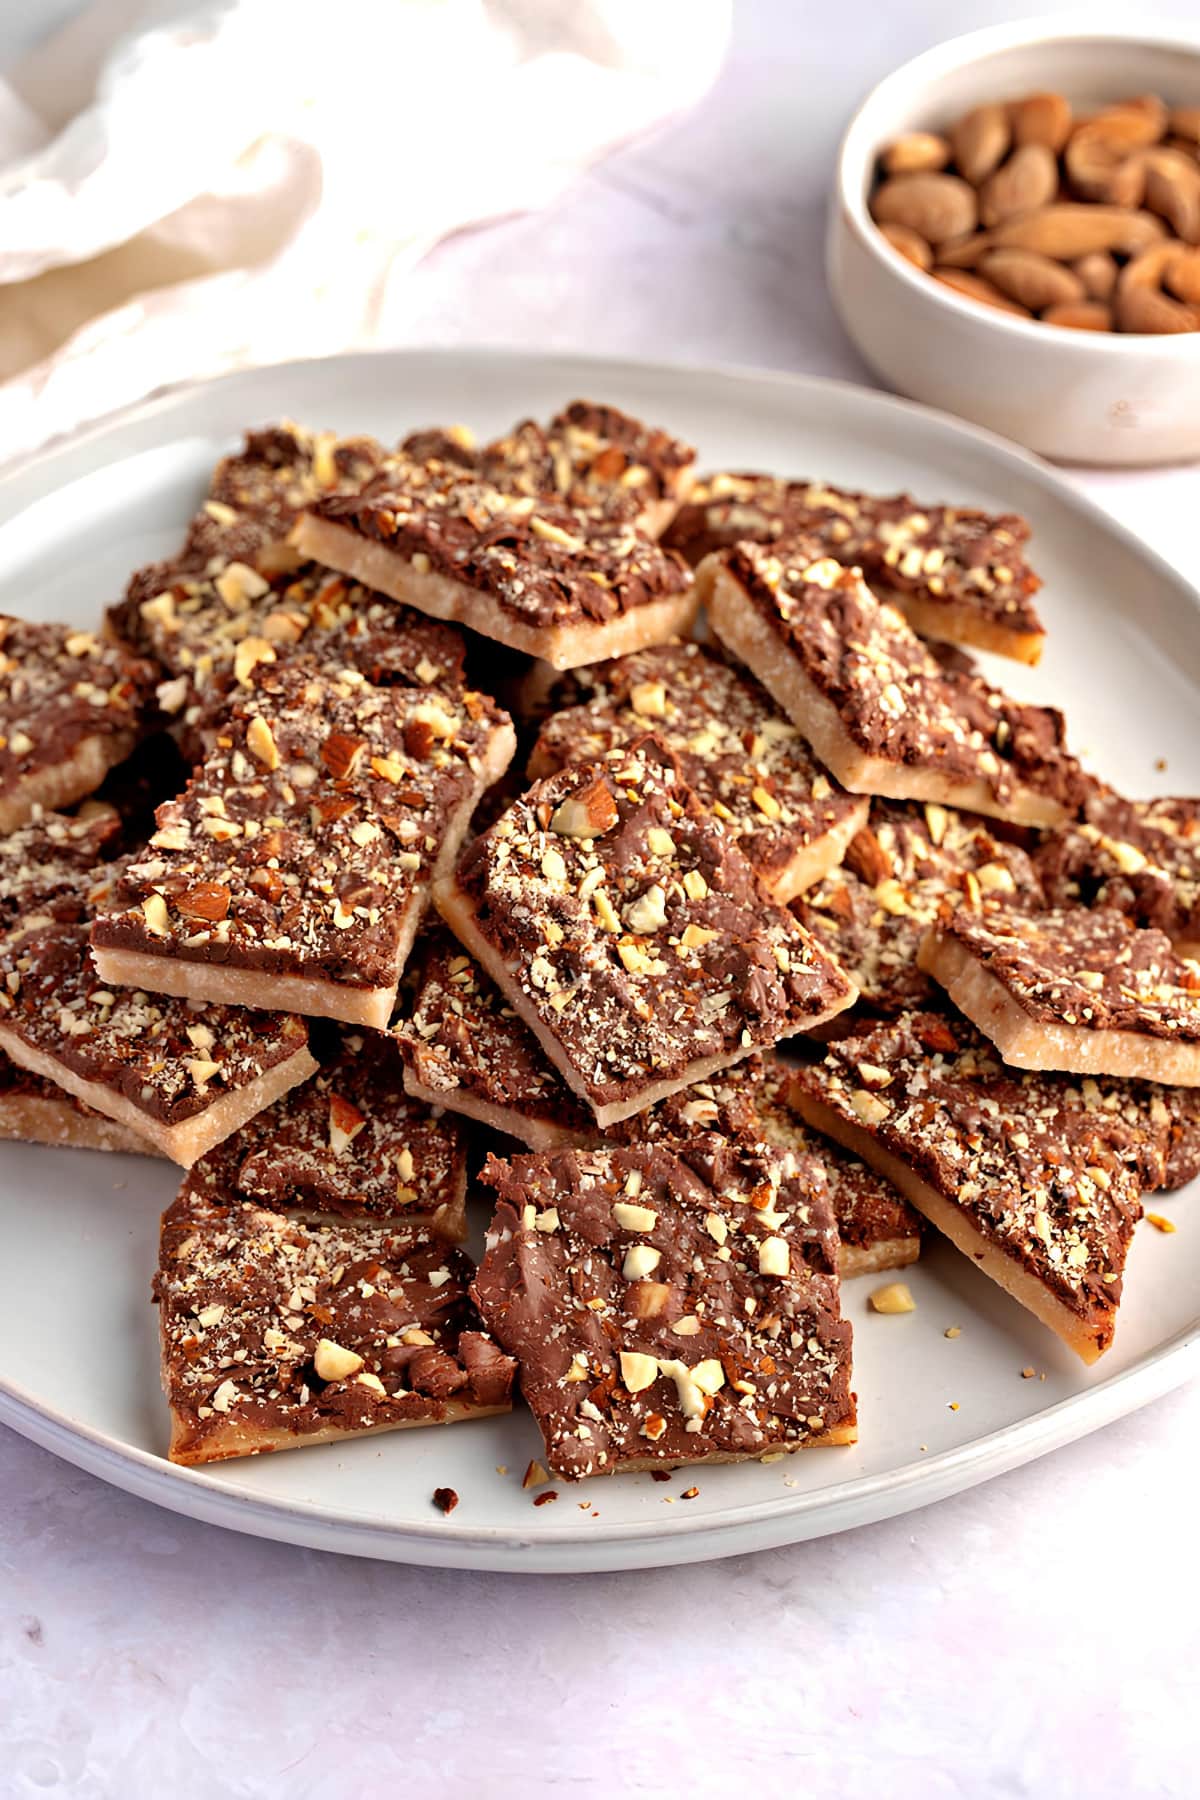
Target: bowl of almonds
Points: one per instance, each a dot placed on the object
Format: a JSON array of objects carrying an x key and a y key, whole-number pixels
[{"x": 1016, "y": 237}]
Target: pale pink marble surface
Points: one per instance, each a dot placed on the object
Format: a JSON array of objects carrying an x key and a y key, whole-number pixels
[{"x": 1035, "y": 1637}]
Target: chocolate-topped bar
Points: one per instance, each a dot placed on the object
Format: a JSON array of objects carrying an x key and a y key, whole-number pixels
[
  {"x": 466, "y": 1049},
  {"x": 1141, "y": 856},
  {"x": 1036, "y": 1181},
  {"x": 181, "y": 1078},
  {"x": 879, "y": 710},
  {"x": 739, "y": 754},
  {"x": 352, "y": 1142},
  {"x": 1166, "y": 1118},
  {"x": 905, "y": 869},
  {"x": 630, "y": 934},
  {"x": 36, "y": 1111},
  {"x": 1072, "y": 989},
  {"x": 51, "y": 869},
  {"x": 277, "y": 1334},
  {"x": 560, "y": 582},
  {"x": 668, "y": 1306},
  {"x": 253, "y": 499},
  {"x": 958, "y": 574},
  {"x": 209, "y": 632},
  {"x": 294, "y": 870},
  {"x": 71, "y": 708},
  {"x": 877, "y": 1228},
  {"x": 598, "y": 459}
]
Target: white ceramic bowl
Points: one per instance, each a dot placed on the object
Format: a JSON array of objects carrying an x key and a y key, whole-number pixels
[{"x": 1092, "y": 397}]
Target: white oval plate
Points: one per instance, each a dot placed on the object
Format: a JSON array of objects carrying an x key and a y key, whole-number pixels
[{"x": 78, "y": 1349}]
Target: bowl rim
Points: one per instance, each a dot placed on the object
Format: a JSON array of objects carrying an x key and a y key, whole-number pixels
[{"x": 956, "y": 53}]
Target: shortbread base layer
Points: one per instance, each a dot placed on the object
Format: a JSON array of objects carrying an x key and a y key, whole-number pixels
[
  {"x": 35, "y": 1119},
  {"x": 877, "y": 1258},
  {"x": 815, "y": 860},
  {"x": 236, "y": 1440},
  {"x": 738, "y": 624},
  {"x": 459, "y": 914},
  {"x": 221, "y": 984},
  {"x": 1029, "y": 1043},
  {"x": 1089, "y": 1338},
  {"x": 61, "y": 784},
  {"x": 956, "y": 623},
  {"x": 535, "y": 1134},
  {"x": 186, "y": 1142},
  {"x": 309, "y": 995},
  {"x": 562, "y": 646}
]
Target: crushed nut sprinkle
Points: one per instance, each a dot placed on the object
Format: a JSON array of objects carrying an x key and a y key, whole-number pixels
[
  {"x": 738, "y": 753},
  {"x": 352, "y": 1143},
  {"x": 1141, "y": 856},
  {"x": 767, "y": 1363},
  {"x": 51, "y": 869},
  {"x": 594, "y": 458},
  {"x": 908, "y": 867},
  {"x": 464, "y": 1043}
]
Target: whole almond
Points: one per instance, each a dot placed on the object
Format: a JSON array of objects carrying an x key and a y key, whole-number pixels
[
  {"x": 1097, "y": 154},
  {"x": 1152, "y": 110},
  {"x": 1183, "y": 277},
  {"x": 1172, "y": 188},
  {"x": 1066, "y": 231},
  {"x": 979, "y": 141},
  {"x": 1151, "y": 266},
  {"x": 975, "y": 288},
  {"x": 1141, "y": 305},
  {"x": 915, "y": 153},
  {"x": 937, "y": 207},
  {"x": 1098, "y": 273},
  {"x": 1184, "y": 122},
  {"x": 1080, "y": 315},
  {"x": 1043, "y": 119},
  {"x": 910, "y": 244},
  {"x": 1098, "y": 149},
  {"x": 964, "y": 253},
  {"x": 1028, "y": 179},
  {"x": 1147, "y": 309},
  {"x": 1035, "y": 281}
]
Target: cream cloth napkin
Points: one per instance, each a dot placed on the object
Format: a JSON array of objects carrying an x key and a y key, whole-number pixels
[{"x": 189, "y": 188}]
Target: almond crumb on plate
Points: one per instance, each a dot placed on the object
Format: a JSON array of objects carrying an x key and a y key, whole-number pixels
[{"x": 893, "y": 1297}]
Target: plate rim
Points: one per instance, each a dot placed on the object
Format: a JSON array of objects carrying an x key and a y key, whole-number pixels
[
  {"x": 762, "y": 1524},
  {"x": 766, "y": 1523}
]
